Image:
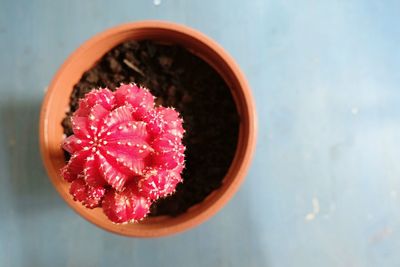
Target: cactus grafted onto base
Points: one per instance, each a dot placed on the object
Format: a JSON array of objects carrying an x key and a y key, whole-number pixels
[{"x": 125, "y": 152}]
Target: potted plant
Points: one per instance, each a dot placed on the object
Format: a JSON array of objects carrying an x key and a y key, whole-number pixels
[{"x": 183, "y": 69}]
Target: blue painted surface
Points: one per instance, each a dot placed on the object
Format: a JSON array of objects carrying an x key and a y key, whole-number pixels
[{"x": 324, "y": 187}]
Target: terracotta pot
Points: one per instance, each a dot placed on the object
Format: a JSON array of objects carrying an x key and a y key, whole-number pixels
[{"x": 56, "y": 103}]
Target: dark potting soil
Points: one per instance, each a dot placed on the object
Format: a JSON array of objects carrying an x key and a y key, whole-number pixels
[{"x": 182, "y": 80}]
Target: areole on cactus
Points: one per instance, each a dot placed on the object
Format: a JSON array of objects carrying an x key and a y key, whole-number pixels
[{"x": 125, "y": 152}]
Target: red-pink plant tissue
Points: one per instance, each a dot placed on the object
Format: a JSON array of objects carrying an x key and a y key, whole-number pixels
[{"x": 125, "y": 152}]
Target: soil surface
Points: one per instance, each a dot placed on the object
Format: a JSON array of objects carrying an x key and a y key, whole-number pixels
[{"x": 182, "y": 80}]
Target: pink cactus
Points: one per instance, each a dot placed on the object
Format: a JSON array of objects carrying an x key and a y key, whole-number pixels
[{"x": 125, "y": 152}]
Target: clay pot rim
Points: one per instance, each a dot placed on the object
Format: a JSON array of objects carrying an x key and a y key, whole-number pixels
[{"x": 182, "y": 222}]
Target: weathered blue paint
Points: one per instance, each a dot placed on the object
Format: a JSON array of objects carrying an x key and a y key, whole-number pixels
[{"x": 324, "y": 187}]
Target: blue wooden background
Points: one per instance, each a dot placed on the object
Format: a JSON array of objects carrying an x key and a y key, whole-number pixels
[{"x": 324, "y": 187}]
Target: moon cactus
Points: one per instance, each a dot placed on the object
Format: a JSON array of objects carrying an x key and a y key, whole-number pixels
[{"x": 125, "y": 152}]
